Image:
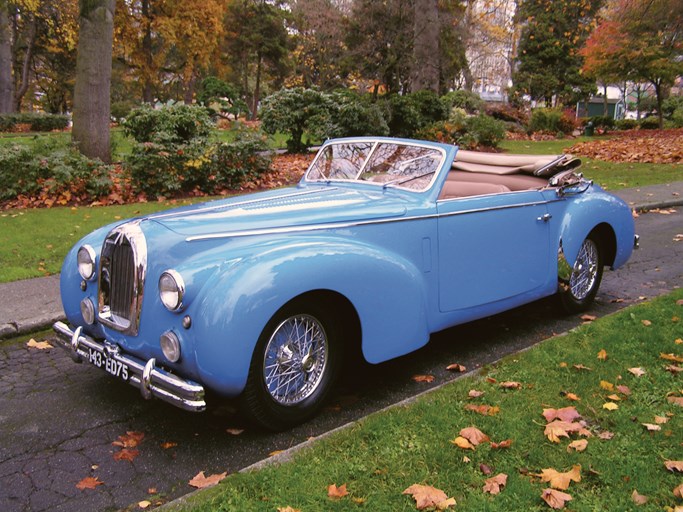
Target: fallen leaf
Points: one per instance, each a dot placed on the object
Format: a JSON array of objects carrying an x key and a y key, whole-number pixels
[
  {"x": 168, "y": 445},
  {"x": 128, "y": 454},
  {"x": 40, "y": 345},
  {"x": 455, "y": 367},
  {"x": 474, "y": 393},
  {"x": 602, "y": 355},
  {"x": 463, "y": 443},
  {"x": 559, "y": 480},
  {"x": 89, "y": 482},
  {"x": 288, "y": 509},
  {"x": 485, "y": 469},
  {"x": 588, "y": 318},
  {"x": 555, "y": 499},
  {"x": 503, "y": 444},
  {"x": 582, "y": 367},
  {"x": 651, "y": 427},
  {"x": 606, "y": 385},
  {"x": 638, "y": 372},
  {"x": 678, "y": 341},
  {"x": 678, "y": 491},
  {"x": 557, "y": 429},
  {"x": 606, "y": 435},
  {"x": 661, "y": 420},
  {"x": 676, "y": 400},
  {"x": 426, "y": 496},
  {"x": 571, "y": 396},
  {"x": 200, "y": 481},
  {"x": 234, "y": 431},
  {"x": 275, "y": 452},
  {"x": 671, "y": 357},
  {"x": 495, "y": 484},
  {"x": 673, "y": 369},
  {"x": 646, "y": 323},
  {"x": 568, "y": 414},
  {"x": 474, "y": 435},
  {"x": 624, "y": 390},
  {"x": 674, "y": 465},
  {"x": 610, "y": 406},
  {"x": 614, "y": 397},
  {"x": 152, "y": 490},
  {"x": 578, "y": 445},
  {"x": 144, "y": 504},
  {"x": 130, "y": 440},
  {"x": 335, "y": 492},
  {"x": 510, "y": 385},
  {"x": 638, "y": 499},
  {"x": 485, "y": 410},
  {"x": 423, "y": 378}
]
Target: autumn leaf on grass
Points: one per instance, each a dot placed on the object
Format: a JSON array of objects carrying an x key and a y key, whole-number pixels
[
  {"x": 674, "y": 465},
  {"x": 130, "y": 440},
  {"x": 288, "y": 509},
  {"x": 557, "y": 429},
  {"x": 671, "y": 357},
  {"x": 559, "y": 480},
  {"x": 578, "y": 445},
  {"x": 474, "y": 435},
  {"x": 606, "y": 385},
  {"x": 638, "y": 372},
  {"x": 651, "y": 427},
  {"x": 588, "y": 318},
  {"x": 568, "y": 414},
  {"x": 571, "y": 396},
  {"x": 455, "y": 367},
  {"x": 423, "y": 378},
  {"x": 602, "y": 355},
  {"x": 473, "y": 393},
  {"x": 128, "y": 454},
  {"x": 484, "y": 410},
  {"x": 610, "y": 406},
  {"x": 463, "y": 443},
  {"x": 426, "y": 496},
  {"x": 200, "y": 481},
  {"x": 676, "y": 400},
  {"x": 673, "y": 369},
  {"x": 678, "y": 491},
  {"x": 503, "y": 444},
  {"x": 40, "y": 345},
  {"x": 556, "y": 499},
  {"x": 510, "y": 385},
  {"x": 89, "y": 482},
  {"x": 335, "y": 492},
  {"x": 495, "y": 484},
  {"x": 168, "y": 445},
  {"x": 144, "y": 504},
  {"x": 581, "y": 367},
  {"x": 624, "y": 390},
  {"x": 638, "y": 499}
]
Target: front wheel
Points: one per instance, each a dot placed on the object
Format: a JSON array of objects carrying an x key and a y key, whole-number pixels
[
  {"x": 578, "y": 291},
  {"x": 294, "y": 366}
]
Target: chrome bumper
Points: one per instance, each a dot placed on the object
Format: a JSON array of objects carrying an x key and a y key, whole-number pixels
[{"x": 151, "y": 380}]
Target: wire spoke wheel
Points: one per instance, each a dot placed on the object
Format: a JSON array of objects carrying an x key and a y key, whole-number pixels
[
  {"x": 295, "y": 359},
  {"x": 585, "y": 270}
]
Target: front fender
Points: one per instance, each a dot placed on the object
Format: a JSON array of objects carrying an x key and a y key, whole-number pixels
[
  {"x": 596, "y": 208},
  {"x": 386, "y": 290}
]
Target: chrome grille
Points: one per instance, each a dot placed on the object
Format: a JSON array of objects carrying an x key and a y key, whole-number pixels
[{"x": 123, "y": 263}]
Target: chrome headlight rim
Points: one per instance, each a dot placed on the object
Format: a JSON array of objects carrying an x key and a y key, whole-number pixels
[
  {"x": 86, "y": 259},
  {"x": 171, "y": 290}
]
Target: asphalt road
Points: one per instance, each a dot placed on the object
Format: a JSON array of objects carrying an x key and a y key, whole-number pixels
[{"x": 59, "y": 419}]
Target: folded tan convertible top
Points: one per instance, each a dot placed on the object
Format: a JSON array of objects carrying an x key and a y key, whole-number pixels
[{"x": 497, "y": 163}]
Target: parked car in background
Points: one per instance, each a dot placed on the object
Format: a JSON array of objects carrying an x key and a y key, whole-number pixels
[{"x": 383, "y": 242}]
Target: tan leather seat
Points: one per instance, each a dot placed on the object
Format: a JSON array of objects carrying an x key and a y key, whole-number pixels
[
  {"x": 511, "y": 181},
  {"x": 454, "y": 189}
]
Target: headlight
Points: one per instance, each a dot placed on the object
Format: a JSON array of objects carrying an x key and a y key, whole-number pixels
[
  {"x": 171, "y": 290},
  {"x": 86, "y": 261},
  {"x": 88, "y": 311},
  {"x": 170, "y": 346}
]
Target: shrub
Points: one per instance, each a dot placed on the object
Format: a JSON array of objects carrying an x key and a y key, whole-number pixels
[
  {"x": 550, "y": 120},
  {"x": 470, "y": 101},
  {"x": 37, "y": 122},
  {"x": 649, "y": 123},
  {"x": 468, "y": 132},
  {"x": 213, "y": 90},
  {"x": 508, "y": 113},
  {"x": 49, "y": 168},
  {"x": 604, "y": 122},
  {"x": 174, "y": 123},
  {"x": 672, "y": 109},
  {"x": 120, "y": 110},
  {"x": 296, "y": 111},
  {"x": 231, "y": 164},
  {"x": 355, "y": 116},
  {"x": 626, "y": 124}
]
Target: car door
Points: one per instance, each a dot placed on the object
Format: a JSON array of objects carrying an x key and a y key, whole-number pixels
[{"x": 491, "y": 248}]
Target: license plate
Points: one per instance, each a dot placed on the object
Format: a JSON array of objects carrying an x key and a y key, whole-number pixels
[{"x": 109, "y": 365}]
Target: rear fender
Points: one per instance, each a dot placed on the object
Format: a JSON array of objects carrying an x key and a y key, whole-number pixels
[{"x": 385, "y": 289}]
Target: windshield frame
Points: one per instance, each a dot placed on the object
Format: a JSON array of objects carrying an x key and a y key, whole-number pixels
[{"x": 374, "y": 143}]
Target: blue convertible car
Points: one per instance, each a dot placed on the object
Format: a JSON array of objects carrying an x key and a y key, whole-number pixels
[{"x": 383, "y": 242}]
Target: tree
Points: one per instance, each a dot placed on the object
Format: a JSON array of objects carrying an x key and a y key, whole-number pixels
[
  {"x": 93, "y": 77},
  {"x": 425, "y": 75},
  {"x": 640, "y": 41},
  {"x": 549, "y": 62},
  {"x": 257, "y": 46}
]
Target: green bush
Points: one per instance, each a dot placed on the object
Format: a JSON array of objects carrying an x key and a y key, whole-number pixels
[
  {"x": 626, "y": 124},
  {"x": 355, "y": 116},
  {"x": 172, "y": 124},
  {"x": 38, "y": 122},
  {"x": 672, "y": 109},
  {"x": 508, "y": 113},
  {"x": 45, "y": 167},
  {"x": 471, "y": 102},
  {"x": 231, "y": 164},
  {"x": 550, "y": 120},
  {"x": 468, "y": 132},
  {"x": 605, "y": 122},
  {"x": 410, "y": 113},
  {"x": 649, "y": 123}
]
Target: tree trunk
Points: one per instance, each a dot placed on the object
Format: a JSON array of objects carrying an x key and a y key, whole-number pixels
[
  {"x": 6, "y": 84},
  {"x": 425, "y": 75},
  {"x": 147, "y": 89},
  {"x": 91, "y": 114},
  {"x": 257, "y": 88},
  {"x": 26, "y": 65}
]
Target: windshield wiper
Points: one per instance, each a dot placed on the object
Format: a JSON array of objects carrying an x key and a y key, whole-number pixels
[{"x": 406, "y": 180}]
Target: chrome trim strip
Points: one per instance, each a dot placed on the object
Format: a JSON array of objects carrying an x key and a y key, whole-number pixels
[
  {"x": 243, "y": 203},
  {"x": 151, "y": 380},
  {"x": 351, "y": 224}
]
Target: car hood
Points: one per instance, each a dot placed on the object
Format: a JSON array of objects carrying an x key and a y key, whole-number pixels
[{"x": 281, "y": 210}]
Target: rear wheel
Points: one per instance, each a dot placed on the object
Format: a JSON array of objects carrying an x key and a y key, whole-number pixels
[
  {"x": 578, "y": 292},
  {"x": 294, "y": 366}
]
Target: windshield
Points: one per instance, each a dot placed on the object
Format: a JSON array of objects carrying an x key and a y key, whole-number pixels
[{"x": 387, "y": 164}]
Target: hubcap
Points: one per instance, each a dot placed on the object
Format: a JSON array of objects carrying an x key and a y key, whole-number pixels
[
  {"x": 295, "y": 359},
  {"x": 585, "y": 270}
]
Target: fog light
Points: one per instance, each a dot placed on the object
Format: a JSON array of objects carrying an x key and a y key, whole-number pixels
[
  {"x": 86, "y": 261},
  {"x": 88, "y": 311},
  {"x": 170, "y": 346}
]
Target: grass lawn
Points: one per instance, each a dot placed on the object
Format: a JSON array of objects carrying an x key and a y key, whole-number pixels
[{"x": 612, "y": 372}]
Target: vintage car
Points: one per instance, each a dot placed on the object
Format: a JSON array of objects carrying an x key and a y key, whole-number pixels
[{"x": 383, "y": 242}]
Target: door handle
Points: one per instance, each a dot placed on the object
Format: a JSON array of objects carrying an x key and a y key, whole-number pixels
[{"x": 544, "y": 218}]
